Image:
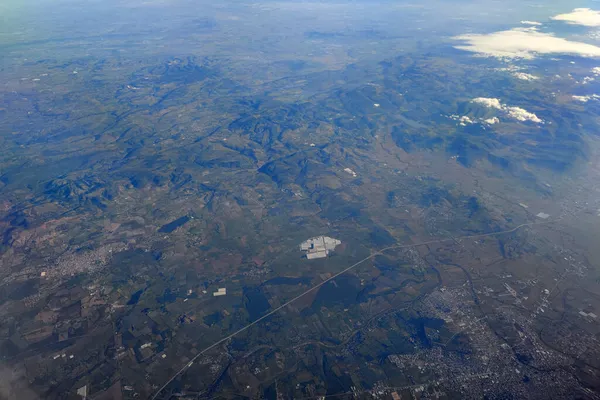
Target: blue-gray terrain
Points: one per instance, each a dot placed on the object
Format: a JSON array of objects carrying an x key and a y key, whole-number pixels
[{"x": 162, "y": 160}]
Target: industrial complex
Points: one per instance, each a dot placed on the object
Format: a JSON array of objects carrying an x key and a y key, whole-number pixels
[{"x": 319, "y": 247}]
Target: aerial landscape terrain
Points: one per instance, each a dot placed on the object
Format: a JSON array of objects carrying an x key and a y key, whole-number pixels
[{"x": 285, "y": 199}]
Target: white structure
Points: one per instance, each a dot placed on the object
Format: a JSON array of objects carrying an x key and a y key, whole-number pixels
[
  {"x": 221, "y": 292},
  {"x": 319, "y": 247},
  {"x": 590, "y": 315},
  {"x": 543, "y": 215},
  {"x": 316, "y": 254},
  {"x": 82, "y": 391}
]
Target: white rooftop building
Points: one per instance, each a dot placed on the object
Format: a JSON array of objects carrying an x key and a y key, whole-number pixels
[
  {"x": 319, "y": 247},
  {"x": 82, "y": 391}
]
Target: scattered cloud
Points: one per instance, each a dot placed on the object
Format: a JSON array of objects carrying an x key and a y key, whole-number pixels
[
  {"x": 595, "y": 35},
  {"x": 518, "y": 73},
  {"x": 525, "y": 76},
  {"x": 489, "y": 103},
  {"x": 510, "y": 68},
  {"x": 596, "y": 70},
  {"x": 523, "y": 43},
  {"x": 465, "y": 120},
  {"x": 462, "y": 120},
  {"x": 587, "y": 80},
  {"x": 534, "y": 23},
  {"x": 516, "y": 113},
  {"x": 580, "y": 16},
  {"x": 585, "y": 99},
  {"x": 522, "y": 115}
]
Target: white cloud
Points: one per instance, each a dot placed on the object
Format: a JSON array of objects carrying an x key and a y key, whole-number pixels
[
  {"x": 510, "y": 68},
  {"x": 585, "y": 99},
  {"x": 464, "y": 120},
  {"x": 516, "y": 113},
  {"x": 534, "y": 23},
  {"x": 522, "y": 115},
  {"x": 525, "y": 77},
  {"x": 523, "y": 43},
  {"x": 489, "y": 103},
  {"x": 596, "y": 70},
  {"x": 580, "y": 16},
  {"x": 516, "y": 71},
  {"x": 587, "y": 80}
]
